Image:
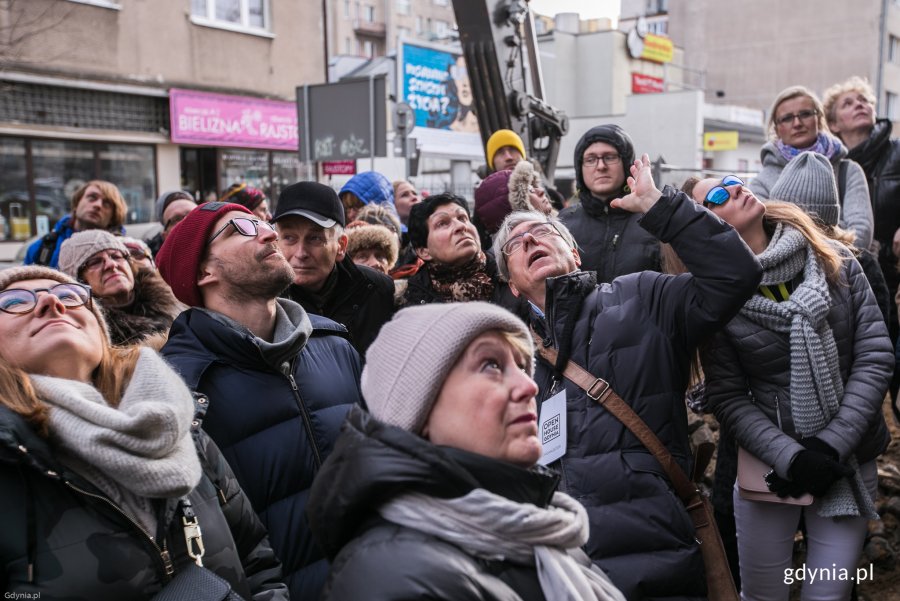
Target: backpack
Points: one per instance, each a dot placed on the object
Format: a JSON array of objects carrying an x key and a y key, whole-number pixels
[{"x": 48, "y": 247}]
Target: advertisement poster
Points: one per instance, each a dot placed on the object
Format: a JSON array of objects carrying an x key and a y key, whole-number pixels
[{"x": 436, "y": 85}]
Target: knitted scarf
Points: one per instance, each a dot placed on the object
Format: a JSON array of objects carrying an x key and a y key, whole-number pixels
[
  {"x": 825, "y": 144},
  {"x": 493, "y": 527},
  {"x": 816, "y": 387},
  {"x": 138, "y": 451},
  {"x": 468, "y": 282}
]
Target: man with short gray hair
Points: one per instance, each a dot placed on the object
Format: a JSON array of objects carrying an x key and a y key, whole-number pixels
[{"x": 639, "y": 333}]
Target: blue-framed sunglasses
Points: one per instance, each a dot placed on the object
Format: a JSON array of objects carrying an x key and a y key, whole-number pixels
[{"x": 720, "y": 195}]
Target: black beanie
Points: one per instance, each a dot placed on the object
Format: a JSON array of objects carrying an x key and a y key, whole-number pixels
[{"x": 610, "y": 134}]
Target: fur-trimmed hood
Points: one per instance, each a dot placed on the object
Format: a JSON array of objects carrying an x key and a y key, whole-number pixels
[
  {"x": 152, "y": 312},
  {"x": 523, "y": 177}
]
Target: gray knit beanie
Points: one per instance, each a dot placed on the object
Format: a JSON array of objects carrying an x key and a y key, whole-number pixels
[
  {"x": 83, "y": 245},
  {"x": 8, "y": 277},
  {"x": 808, "y": 182},
  {"x": 413, "y": 354}
]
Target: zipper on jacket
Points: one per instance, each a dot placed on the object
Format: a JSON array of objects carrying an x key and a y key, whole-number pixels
[
  {"x": 778, "y": 413},
  {"x": 162, "y": 552},
  {"x": 288, "y": 370}
]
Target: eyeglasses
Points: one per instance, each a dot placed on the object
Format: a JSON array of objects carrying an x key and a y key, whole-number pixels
[
  {"x": 244, "y": 226},
  {"x": 19, "y": 301},
  {"x": 802, "y": 115},
  {"x": 719, "y": 195},
  {"x": 99, "y": 259},
  {"x": 538, "y": 230},
  {"x": 591, "y": 160},
  {"x": 138, "y": 254}
]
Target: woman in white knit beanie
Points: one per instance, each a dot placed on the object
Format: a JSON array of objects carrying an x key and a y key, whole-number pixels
[{"x": 436, "y": 493}]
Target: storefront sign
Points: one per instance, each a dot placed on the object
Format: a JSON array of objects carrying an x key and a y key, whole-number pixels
[
  {"x": 239, "y": 121},
  {"x": 646, "y": 84},
  {"x": 720, "y": 140},
  {"x": 657, "y": 48},
  {"x": 339, "y": 167}
]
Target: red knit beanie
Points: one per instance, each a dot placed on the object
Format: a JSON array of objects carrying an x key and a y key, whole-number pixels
[
  {"x": 180, "y": 255},
  {"x": 492, "y": 200}
]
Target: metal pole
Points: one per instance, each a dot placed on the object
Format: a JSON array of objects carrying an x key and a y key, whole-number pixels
[
  {"x": 406, "y": 157},
  {"x": 371, "y": 122},
  {"x": 306, "y": 131}
]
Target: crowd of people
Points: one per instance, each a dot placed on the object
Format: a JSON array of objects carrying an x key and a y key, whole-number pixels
[{"x": 351, "y": 394}]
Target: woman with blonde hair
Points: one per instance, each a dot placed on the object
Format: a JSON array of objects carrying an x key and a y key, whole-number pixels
[
  {"x": 797, "y": 379},
  {"x": 797, "y": 124},
  {"x": 103, "y": 462}
]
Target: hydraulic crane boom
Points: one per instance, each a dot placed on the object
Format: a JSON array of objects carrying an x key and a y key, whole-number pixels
[{"x": 499, "y": 44}]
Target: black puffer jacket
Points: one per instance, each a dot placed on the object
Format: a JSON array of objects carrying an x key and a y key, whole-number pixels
[
  {"x": 639, "y": 333},
  {"x": 360, "y": 298},
  {"x": 748, "y": 373},
  {"x": 85, "y": 548},
  {"x": 374, "y": 559},
  {"x": 879, "y": 156},
  {"x": 611, "y": 242}
]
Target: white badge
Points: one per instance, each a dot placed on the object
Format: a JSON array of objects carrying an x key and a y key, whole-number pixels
[{"x": 552, "y": 428}]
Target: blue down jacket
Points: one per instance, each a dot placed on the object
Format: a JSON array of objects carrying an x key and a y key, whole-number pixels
[{"x": 275, "y": 412}]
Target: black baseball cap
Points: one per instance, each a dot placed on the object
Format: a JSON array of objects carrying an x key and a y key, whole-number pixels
[{"x": 317, "y": 202}]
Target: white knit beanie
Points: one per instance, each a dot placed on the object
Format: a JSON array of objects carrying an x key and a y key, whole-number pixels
[
  {"x": 83, "y": 245},
  {"x": 808, "y": 182},
  {"x": 414, "y": 353}
]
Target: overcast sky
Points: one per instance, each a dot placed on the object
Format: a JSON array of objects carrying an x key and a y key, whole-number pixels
[{"x": 588, "y": 9}]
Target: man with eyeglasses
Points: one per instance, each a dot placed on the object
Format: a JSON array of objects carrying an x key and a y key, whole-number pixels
[
  {"x": 171, "y": 208},
  {"x": 279, "y": 381},
  {"x": 639, "y": 333},
  {"x": 310, "y": 223},
  {"x": 610, "y": 241}
]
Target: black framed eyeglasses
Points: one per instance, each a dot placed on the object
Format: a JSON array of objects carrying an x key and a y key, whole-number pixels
[
  {"x": 591, "y": 160},
  {"x": 18, "y": 301},
  {"x": 720, "y": 195},
  {"x": 802, "y": 115},
  {"x": 538, "y": 230},
  {"x": 245, "y": 226},
  {"x": 99, "y": 259}
]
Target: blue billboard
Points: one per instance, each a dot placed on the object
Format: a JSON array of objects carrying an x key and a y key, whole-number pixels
[{"x": 435, "y": 83}]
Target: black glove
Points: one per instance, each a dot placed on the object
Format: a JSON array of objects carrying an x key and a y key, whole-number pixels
[
  {"x": 815, "y": 472},
  {"x": 783, "y": 488},
  {"x": 816, "y": 444}
]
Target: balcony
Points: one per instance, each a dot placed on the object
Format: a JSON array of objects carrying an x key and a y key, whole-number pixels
[{"x": 372, "y": 29}]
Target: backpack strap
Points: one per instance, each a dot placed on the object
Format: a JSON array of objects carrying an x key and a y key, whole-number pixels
[
  {"x": 48, "y": 247},
  {"x": 842, "y": 181}
]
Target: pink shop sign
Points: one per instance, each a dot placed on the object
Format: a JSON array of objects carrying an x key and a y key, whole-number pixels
[{"x": 221, "y": 120}]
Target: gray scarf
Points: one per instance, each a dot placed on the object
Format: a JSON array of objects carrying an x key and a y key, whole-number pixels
[
  {"x": 139, "y": 451},
  {"x": 492, "y": 527},
  {"x": 816, "y": 386}
]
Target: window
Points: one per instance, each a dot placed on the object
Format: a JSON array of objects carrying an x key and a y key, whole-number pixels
[
  {"x": 418, "y": 24},
  {"x": 347, "y": 9},
  {"x": 403, "y": 7},
  {"x": 894, "y": 49},
  {"x": 232, "y": 14},
  {"x": 442, "y": 2},
  {"x": 403, "y": 32},
  {"x": 370, "y": 14},
  {"x": 893, "y": 110},
  {"x": 368, "y": 49},
  {"x": 348, "y": 48},
  {"x": 441, "y": 29}
]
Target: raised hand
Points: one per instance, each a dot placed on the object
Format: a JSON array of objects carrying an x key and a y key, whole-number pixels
[{"x": 644, "y": 193}]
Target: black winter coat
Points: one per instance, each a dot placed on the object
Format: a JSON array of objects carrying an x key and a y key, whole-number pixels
[
  {"x": 639, "y": 333},
  {"x": 275, "y": 424},
  {"x": 362, "y": 301},
  {"x": 879, "y": 156},
  {"x": 376, "y": 560},
  {"x": 84, "y": 548}
]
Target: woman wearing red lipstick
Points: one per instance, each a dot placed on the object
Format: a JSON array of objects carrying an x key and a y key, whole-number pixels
[
  {"x": 137, "y": 302},
  {"x": 435, "y": 494},
  {"x": 102, "y": 459}
]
